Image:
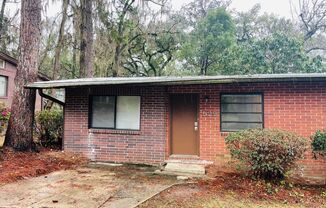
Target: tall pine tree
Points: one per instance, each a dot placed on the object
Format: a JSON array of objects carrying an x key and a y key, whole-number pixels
[{"x": 20, "y": 129}]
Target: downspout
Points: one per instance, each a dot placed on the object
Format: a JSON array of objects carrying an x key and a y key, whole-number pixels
[
  {"x": 55, "y": 100},
  {"x": 49, "y": 97}
]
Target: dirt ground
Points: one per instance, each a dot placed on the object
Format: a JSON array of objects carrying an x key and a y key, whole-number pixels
[
  {"x": 21, "y": 165},
  {"x": 233, "y": 190},
  {"x": 91, "y": 186},
  {"x": 75, "y": 183}
]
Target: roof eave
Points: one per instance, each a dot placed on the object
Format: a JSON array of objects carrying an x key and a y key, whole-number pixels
[
  {"x": 49, "y": 85},
  {"x": 8, "y": 58}
]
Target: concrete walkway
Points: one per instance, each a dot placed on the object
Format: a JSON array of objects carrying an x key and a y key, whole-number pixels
[{"x": 87, "y": 187}]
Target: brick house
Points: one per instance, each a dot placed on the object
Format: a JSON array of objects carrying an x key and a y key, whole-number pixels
[
  {"x": 8, "y": 69},
  {"x": 154, "y": 120}
]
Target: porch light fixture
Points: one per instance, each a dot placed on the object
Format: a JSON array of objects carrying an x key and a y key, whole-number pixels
[{"x": 206, "y": 98}]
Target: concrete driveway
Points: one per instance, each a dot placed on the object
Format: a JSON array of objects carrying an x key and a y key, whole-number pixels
[{"x": 93, "y": 186}]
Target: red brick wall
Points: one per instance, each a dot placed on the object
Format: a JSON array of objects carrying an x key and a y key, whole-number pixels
[
  {"x": 144, "y": 146},
  {"x": 298, "y": 107}
]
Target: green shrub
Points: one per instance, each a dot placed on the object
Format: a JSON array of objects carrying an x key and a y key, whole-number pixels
[
  {"x": 319, "y": 142},
  {"x": 267, "y": 153},
  {"x": 4, "y": 118},
  {"x": 49, "y": 128}
]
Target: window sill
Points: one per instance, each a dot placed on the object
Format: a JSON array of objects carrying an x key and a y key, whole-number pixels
[{"x": 114, "y": 131}]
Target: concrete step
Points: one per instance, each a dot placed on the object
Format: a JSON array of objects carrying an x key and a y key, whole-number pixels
[
  {"x": 183, "y": 167},
  {"x": 197, "y": 161}
]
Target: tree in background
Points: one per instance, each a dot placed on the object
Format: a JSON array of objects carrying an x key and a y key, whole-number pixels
[
  {"x": 86, "y": 44},
  {"x": 118, "y": 25},
  {"x": 148, "y": 38},
  {"x": 312, "y": 24},
  {"x": 264, "y": 44},
  {"x": 19, "y": 134},
  {"x": 8, "y": 31},
  {"x": 151, "y": 51},
  {"x": 251, "y": 25},
  {"x": 132, "y": 39},
  {"x": 196, "y": 10},
  {"x": 278, "y": 53},
  {"x": 2, "y": 16},
  {"x": 212, "y": 35},
  {"x": 312, "y": 14},
  {"x": 60, "y": 42}
]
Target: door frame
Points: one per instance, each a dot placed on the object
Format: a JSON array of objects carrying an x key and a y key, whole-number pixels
[{"x": 170, "y": 123}]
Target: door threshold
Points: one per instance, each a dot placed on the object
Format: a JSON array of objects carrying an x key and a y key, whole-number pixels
[{"x": 190, "y": 157}]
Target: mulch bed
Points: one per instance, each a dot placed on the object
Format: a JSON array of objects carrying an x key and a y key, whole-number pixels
[
  {"x": 247, "y": 188},
  {"x": 19, "y": 165},
  {"x": 240, "y": 188}
]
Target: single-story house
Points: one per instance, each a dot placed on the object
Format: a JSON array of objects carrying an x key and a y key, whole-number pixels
[
  {"x": 8, "y": 69},
  {"x": 152, "y": 120}
]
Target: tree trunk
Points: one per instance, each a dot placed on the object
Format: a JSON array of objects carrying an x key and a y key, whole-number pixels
[
  {"x": 2, "y": 17},
  {"x": 116, "y": 61},
  {"x": 58, "y": 48},
  {"x": 86, "y": 45},
  {"x": 20, "y": 129},
  {"x": 76, "y": 37}
]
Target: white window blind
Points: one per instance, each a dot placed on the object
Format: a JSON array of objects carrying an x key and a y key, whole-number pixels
[
  {"x": 3, "y": 86},
  {"x": 115, "y": 112},
  {"x": 128, "y": 112}
]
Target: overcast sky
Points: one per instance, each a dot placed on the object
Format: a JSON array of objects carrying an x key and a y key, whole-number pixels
[{"x": 281, "y": 8}]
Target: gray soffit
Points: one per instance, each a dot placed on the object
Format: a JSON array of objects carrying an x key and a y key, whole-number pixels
[{"x": 186, "y": 80}]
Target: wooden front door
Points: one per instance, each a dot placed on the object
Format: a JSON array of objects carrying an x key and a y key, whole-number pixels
[{"x": 184, "y": 124}]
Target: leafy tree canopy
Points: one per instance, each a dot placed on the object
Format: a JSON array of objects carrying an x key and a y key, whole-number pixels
[
  {"x": 149, "y": 38},
  {"x": 212, "y": 35}
]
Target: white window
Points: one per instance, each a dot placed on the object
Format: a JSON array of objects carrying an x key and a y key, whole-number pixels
[
  {"x": 128, "y": 112},
  {"x": 3, "y": 86},
  {"x": 115, "y": 112},
  {"x": 2, "y": 64}
]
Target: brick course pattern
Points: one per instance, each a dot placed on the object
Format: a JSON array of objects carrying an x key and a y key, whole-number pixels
[
  {"x": 297, "y": 107},
  {"x": 144, "y": 146}
]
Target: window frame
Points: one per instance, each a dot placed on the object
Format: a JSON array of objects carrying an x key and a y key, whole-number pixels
[
  {"x": 90, "y": 113},
  {"x": 243, "y": 93},
  {"x": 3, "y": 66},
  {"x": 7, "y": 85}
]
